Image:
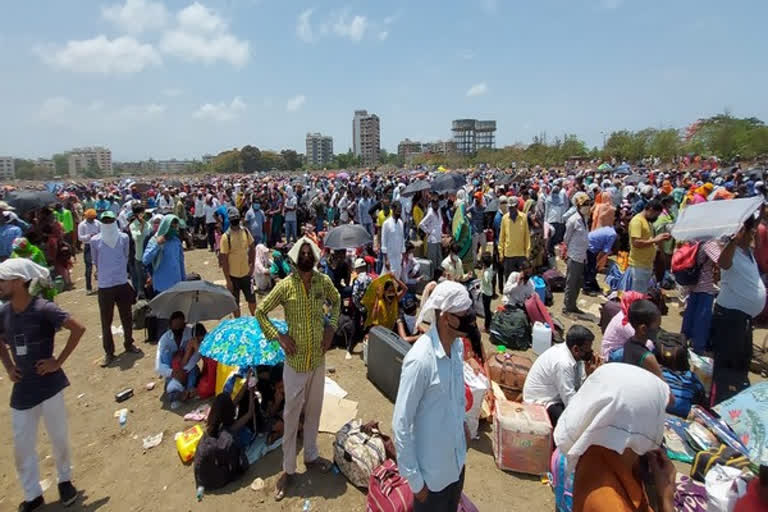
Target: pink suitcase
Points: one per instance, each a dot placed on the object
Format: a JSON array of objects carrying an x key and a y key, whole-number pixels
[{"x": 522, "y": 437}]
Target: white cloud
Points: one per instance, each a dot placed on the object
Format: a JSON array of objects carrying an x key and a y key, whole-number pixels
[
  {"x": 140, "y": 112},
  {"x": 136, "y": 16},
  {"x": 611, "y": 4},
  {"x": 172, "y": 92},
  {"x": 199, "y": 17},
  {"x": 221, "y": 111},
  {"x": 489, "y": 5},
  {"x": 352, "y": 28},
  {"x": 197, "y": 47},
  {"x": 466, "y": 54},
  {"x": 101, "y": 55},
  {"x": 63, "y": 111},
  {"x": 383, "y": 35},
  {"x": 391, "y": 19},
  {"x": 295, "y": 103},
  {"x": 202, "y": 35},
  {"x": 477, "y": 89},
  {"x": 55, "y": 109},
  {"x": 304, "y": 27}
]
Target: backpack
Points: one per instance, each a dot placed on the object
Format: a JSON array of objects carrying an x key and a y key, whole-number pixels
[
  {"x": 554, "y": 279},
  {"x": 685, "y": 264},
  {"x": 510, "y": 327},
  {"x": 687, "y": 390},
  {"x": 671, "y": 351},
  {"x": 218, "y": 461},
  {"x": 345, "y": 332},
  {"x": 357, "y": 453},
  {"x": 388, "y": 491}
]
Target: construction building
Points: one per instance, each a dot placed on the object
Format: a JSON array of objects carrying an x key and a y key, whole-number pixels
[
  {"x": 470, "y": 135},
  {"x": 81, "y": 158},
  {"x": 7, "y": 168},
  {"x": 319, "y": 149},
  {"x": 407, "y": 147},
  {"x": 366, "y": 137}
]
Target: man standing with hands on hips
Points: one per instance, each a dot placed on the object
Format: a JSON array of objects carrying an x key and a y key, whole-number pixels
[
  {"x": 428, "y": 425},
  {"x": 28, "y": 327},
  {"x": 310, "y": 333}
]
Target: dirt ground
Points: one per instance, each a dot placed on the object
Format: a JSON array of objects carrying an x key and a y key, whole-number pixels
[{"x": 114, "y": 472}]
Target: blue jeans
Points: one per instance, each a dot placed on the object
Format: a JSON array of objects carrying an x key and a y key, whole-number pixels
[
  {"x": 88, "y": 266},
  {"x": 290, "y": 230},
  {"x": 319, "y": 224},
  {"x": 698, "y": 319},
  {"x": 192, "y": 377},
  {"x": 641, "y": 279}
]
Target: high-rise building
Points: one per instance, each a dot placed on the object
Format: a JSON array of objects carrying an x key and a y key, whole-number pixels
[
  {"x": 319, "y": 149},
  {"x": 366, "y": 137},
  {"x": 7, "y": 168},
  {"x": 408, "y": 147},
  {"x": 81, "y": 158},
  {"x": 471, "y": 135}
]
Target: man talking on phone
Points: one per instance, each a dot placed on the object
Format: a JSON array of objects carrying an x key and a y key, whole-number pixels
[{"x": 28, "y": 326}]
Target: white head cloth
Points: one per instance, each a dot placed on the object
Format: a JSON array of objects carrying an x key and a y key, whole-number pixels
[
  {"x": 619, "y": 406},
  {"x": 22, "y": 268},
  {"x": 448, "y": 297},
  {"x": 296, "y": 249}
]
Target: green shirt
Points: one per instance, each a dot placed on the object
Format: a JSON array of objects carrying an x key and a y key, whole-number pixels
[
  {"x": 139, "y": 236},
  {"x": 66, "y": 220},
  {"x": 305, "y": 316}
]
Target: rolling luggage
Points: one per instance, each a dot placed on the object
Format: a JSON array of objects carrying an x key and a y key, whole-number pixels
[
  {"x": 522, "y": 437},
  {"x": 554, "y": 279},
  {"x": 426, "y": 271},
  {"x": 386, "y": 351}
]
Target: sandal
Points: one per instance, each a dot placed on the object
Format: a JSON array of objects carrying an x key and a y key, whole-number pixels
[
  {"x": 323, "y": 465},
  {"x": 281, "y": 487}
]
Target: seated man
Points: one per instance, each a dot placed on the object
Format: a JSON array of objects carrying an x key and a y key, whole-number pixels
[
  {"x": 645, "y": 319},
  {"x": 180, "y": 377},
  {"x": 453, "y": 268},
  {"x": 559, "y": 372},
  {"x": 406, "y": 320}
]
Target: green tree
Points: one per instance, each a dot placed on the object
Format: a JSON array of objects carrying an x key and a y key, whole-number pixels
[
  {"x": 93, "y": 170},
  {"x": 61, "y": 160},
  {"x": 665, "y": 144},
  {"x": 251, "y": 158},
  {"x": 347, "y": 160},
  {"x": 227, "y": 162},
  {"x": 271, "y": 160},
  {"x": 291, "y": 160}
]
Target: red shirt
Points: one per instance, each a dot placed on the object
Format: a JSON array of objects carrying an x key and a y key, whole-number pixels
[
  {"x": 761, "y": 247},
  {"x": 751, "y": 501}
]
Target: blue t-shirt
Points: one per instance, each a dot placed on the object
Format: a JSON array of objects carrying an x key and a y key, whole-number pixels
[
  {"x": 602, "y": 240},
  {"x": 29, "y": 336}
]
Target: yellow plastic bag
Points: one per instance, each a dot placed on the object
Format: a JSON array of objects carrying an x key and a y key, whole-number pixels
[
  {"x": 222, "y": 374},
  {"x": 186, "y": 443}
]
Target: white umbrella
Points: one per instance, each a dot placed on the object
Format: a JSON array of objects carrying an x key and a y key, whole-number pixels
[
  {"x": 714, "y": 219},
  {"x": 198, "y": 300}
]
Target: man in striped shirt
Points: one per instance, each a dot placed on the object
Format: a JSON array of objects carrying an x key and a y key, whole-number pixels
[{"x": 303, "y": 295}]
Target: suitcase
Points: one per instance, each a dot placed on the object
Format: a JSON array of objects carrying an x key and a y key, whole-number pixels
[
  {"x": 554, "y": 279},
  {"x": 426, "y": 271},
  {"x": 200, "y": 241},
  {"x": 509, "y": 372},
  {"x": 522, "y": 437},
  {"x": 386, "y": 351},
  {"x": 473, "y": 287}
]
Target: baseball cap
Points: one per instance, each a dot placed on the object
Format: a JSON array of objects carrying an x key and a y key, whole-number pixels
[
  {"x": 109, "y": 214},
  {"x": 233, "y": 214},
  {"x": 360, "y": 262}
]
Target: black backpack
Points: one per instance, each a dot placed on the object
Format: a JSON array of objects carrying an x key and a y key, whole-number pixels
[
  {"x": 671, "y": 351},
  {"x": 510, "y": 327},
  {"x": 218, "y": 461},
  {"x": 345, "y": 332}
]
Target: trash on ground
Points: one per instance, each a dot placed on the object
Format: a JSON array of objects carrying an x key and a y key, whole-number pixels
[
  {"x": 150, "y": 386},
  {"x": 199, "y": 414},
  {"x": 152, "y": 441}
]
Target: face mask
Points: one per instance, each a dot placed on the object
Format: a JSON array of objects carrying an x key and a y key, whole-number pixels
[
  {"x": 234, "y": 223},
  {"x": 256, "y": 207},
  {"x": 306, "y": 263},
  {"x": 171, "y": 233},
  {"x": 584, "y": 210},
  {"x": 467, "y": 324},
  {"x": 652, "y": 333},
  {"x": 651, "y": 220}
]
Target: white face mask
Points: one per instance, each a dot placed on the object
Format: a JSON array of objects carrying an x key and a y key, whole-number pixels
[
  {"x": 585, "y": 210},
  {"x": 110, "y": 233},
  {"x": 504, "y": 207}
]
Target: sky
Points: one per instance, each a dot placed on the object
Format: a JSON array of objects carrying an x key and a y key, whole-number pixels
[{"x": 178, "y": 79}]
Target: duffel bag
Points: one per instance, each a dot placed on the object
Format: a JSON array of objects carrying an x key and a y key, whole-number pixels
[
  {"x": 510, "y": 327},
  {"x": 671, "y": 351},
  {"x": 687, "y": 390},
  {"x": 388, "y": 491},
  {"x": 358, "y": 453},
  {"x": 554, "y": 279}
]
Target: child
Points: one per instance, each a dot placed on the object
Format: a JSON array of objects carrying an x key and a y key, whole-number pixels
[
  {"x": 645, "y": 319},
  {"x": 486, "y": 287}
]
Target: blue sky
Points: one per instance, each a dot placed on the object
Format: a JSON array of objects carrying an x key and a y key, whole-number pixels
[{"x": 173, "y": 78}]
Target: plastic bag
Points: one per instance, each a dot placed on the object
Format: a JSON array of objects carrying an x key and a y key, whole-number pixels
[
  {"x": 478, "y": 385},
  {"x": 724, "y": 487},
  {"x": 675, "y": 440},
  {"x": 701, "y": 437}
]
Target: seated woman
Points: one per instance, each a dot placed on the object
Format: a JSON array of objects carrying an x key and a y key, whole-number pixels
[
  {"x": 280, "y": 267},
  {"x": 518, "y": 286},
  {"x": 619, "y": 330},
  {"x": 270, "y": 386},
  {"x": 406, "y": 321},
  {"x": 384, "y": 308},
  {"x": 610, "y": 435}
]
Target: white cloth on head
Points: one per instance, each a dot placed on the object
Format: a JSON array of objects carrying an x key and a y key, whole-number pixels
[
  {"x": 619, "y": 406},
  {"x": 447, "y": 297},
  {"x": 22, "y": 268},
  {"x": 110, "y": 234},
  {"x": 296, "y": 249}
]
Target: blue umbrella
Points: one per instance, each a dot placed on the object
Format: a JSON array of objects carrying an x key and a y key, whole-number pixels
[{"x": 241, "y": 342}]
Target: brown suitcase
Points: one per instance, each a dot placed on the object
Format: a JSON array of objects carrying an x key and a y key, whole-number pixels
[{"x": 509, "y": 372}]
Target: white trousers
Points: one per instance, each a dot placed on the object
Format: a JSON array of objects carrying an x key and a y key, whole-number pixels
[
  {"x": 303, "y": 392},
  {"x": 25, "y": 422}
]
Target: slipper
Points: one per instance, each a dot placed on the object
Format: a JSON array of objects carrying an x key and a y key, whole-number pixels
[
  {"x": 280, "y": 490},
  {"x": 323, "y": 465}
]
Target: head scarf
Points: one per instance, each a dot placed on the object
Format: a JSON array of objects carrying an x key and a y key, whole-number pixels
[
  {"x": 21, "y": 246},
  {"x": 90, "y": 213},
  {"x": 626, "y": 300},
  {"x": 619, "y": 406},
  {"x": 579, "y": 198},
  {"x": 447, "y": 297},
  {"x": 22, "y": 268},
  {"x": 165, "y": 224},
  {"x": 296, "y": 249}
]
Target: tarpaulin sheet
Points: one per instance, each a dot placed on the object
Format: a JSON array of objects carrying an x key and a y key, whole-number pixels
[{"x": 714, "y": 219}]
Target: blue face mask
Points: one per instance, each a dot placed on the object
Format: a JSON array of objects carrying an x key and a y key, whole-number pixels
[{"x": 256, "y": 206}]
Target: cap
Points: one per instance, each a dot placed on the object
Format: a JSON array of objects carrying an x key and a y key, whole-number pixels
[
  {"x": 233, "y": 214},
  {"x": 109, "y": 214},
  {"x": 360, "y": 262},
  {"x": 90, "y": 213},
  {"x": 503, "y": 199}
]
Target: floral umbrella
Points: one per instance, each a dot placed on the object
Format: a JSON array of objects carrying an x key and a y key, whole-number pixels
[{"x": 241, "y": 342}]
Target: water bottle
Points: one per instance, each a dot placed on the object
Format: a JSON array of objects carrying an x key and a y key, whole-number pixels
[
  {"x": 306, "y": 506},
  {"x": 123, "y": 418},
  {"x": 200, "y": 492}
]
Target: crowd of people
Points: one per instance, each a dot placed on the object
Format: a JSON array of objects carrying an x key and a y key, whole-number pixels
[{"x": 458, "y": 240}]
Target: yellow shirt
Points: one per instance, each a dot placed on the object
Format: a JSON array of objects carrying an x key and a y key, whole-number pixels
[
  {"x": 304, "y": 315},
  {"x": 514, "y": 238},
  {"x": 418, "y": 215},
  {"x": 381, "y": 217},
  {"x": 235, "y": 245},
  {"x": 641, "y": 257}
]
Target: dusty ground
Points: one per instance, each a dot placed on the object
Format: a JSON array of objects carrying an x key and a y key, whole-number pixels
[{"x": 114, "y": 472}]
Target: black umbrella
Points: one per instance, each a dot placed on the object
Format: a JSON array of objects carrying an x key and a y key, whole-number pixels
[
  {"x": 448, "y": 182},
  {"x": 492, "y": 207},
  {"x": 347, "y": 236},
  {"x": 622, "y": 171},
  {"x": 415, "y": 187},
  {"x": 27, "y": 200},
  {"x": 505, "y": 179},
  {"x": 633, "y": 180}
]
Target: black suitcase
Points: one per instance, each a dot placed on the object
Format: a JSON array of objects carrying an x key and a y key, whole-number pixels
[
  {"x": 200, "y": 241},
  {"x": 153, "y": 328},
  {"x": 386, "y": 351}
]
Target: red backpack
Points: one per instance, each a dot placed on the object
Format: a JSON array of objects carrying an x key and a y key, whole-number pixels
[
  {"x": 685, "y": 264},
  {"x": 388, "y": 491}
]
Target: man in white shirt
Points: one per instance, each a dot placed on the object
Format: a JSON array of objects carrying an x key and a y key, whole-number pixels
[
  {"x": 432, "y": 225},
  {"x": 209, "y": 208},
  {"x": 428, "y": 424},
  {"x": 577, "y": 241},
  {"x": 199, "y": 226},
  {"x": 165, "y": 201},
  {"x": 86, "y": 230},
  {"x": 393, "y": 241},
  {"x": 559, "y": 372}
]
